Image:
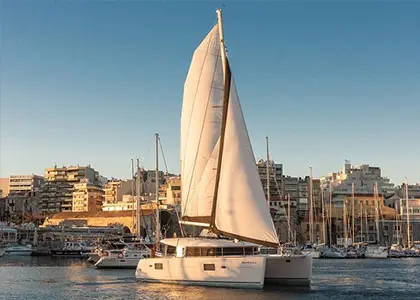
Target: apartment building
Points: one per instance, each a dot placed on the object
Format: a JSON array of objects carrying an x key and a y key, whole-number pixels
[
  {"x": 87, "y": 197},
  {"x": 23, "y": 193},
  {"x": 57, "y": 192},
  {"x": 170, "y": 192},
  {"x": 115, "y": 189}
]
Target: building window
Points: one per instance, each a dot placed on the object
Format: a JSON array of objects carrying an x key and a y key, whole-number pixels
[
  {"x": 209, "y": 267},
  {"x": 158, "y": 266}
]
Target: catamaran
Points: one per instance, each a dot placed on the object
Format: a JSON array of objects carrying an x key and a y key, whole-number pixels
[{"x": 221, "y": 189}]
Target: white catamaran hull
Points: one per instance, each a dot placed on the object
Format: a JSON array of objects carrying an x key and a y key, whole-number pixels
[
  {"x": 288, "y": 270},
  {"x": 232, "y": 271},
  {"x": 117, "y": 263}
]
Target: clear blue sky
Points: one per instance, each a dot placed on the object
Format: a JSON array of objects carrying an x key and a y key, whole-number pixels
[{"x": 91, "y": 81}]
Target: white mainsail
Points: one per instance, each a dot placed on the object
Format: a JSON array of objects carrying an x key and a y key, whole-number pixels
[
  {"x": 200, "y": 128},
  {"x": 240, "y": 210}
]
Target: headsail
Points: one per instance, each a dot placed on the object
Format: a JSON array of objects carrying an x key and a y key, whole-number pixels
[{"x": 200, "y": 129}]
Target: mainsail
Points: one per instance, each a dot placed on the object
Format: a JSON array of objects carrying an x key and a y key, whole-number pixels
[{"x": 239, "y": 209}]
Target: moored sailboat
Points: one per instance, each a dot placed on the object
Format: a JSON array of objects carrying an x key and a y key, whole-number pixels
[{"x": 221, "y": 189}]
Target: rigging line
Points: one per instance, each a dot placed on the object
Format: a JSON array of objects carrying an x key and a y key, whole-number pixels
[
  {"x": 167, "y": 172},
  {"x": 163, "y": 156},
  {"x": 202, "y": 127}
]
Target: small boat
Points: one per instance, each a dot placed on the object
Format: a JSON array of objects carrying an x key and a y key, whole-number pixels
[
  {"x": 396, "y": 251},
  {"x": 376, "y": 252},
  {"x": 128, "y": 258},
  {"x": 19, "y": 250},
  {"x": 352, "y": 253},
  {"x": 72, "y": 249},
  {"x": 311, "y": 250},
  {"x": 98, "y": 251},
  {"x": 332, "y": 252}
]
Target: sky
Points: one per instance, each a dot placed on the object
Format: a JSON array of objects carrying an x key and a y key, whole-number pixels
[{"x": 90, "y": 82}]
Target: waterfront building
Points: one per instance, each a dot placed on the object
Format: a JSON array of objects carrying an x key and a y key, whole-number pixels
[
  {"x": 115, "y": 189},
  {"x": 57, "y": 192},
  {"x": 125, "y": 218},
  {"x": 87, "y": 197},
  {"x": 275, "y": 176},
  {"x": 23, "y": 193},
  {"x": 127, "y": 202},
  {"x": 170, "y": 192},
  {"x": 4, "y": 186}
]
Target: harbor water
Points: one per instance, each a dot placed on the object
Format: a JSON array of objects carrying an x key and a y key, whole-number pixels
[{"x": 45, "y": 278}]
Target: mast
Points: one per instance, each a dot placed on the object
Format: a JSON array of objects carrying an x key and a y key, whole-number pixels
[
  {"x": 268, "y": 172},
  {"x": 138, "y": 201},
  {"x": 397, "y": 225},
  {"x": 376, "y": 200},
  {"x": 345, "y": 222},
  {"x": 323, "y": 215},
  {"x": 311, "y": 216},
  {"x": 133, "y": 187},
  {"x": 157, "y": 234},
  {"x": 289, "y": 229},
  {"x": 330, "y": 214},
  {"x": 352, "y": 213},
  {"x": 361, "y": 221},
  {"x": 226, "y": 92},
  {"x": 408, "y": 215},
  {"x": 366, "y": 223}
]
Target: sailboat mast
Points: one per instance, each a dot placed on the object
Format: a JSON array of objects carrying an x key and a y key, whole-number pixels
[
  {"x": 268, "y": 172},
  {"x": 222, "y": 41},
  {"x": 157, "y": 233},
  {"x": 311, "y": 208},
  {"x": 396, "y": 223},
  {"x": 138, "y": 205},
  {"x": 376, "y": 199},
  {"x": 323, "y": 215},
  {"x": 361, "y": 221},
  {"x": 330, "y": 213},
  {"x": 133, "y": 187},
  {"x": 352, "y": 212},
  {"x": 289, "y": 229},
  {"x": 408, "y": 215},
  {"x": 226, "y": 92},
  {"x": 345, "y": 222},
  {"x": 366, "y": 223}
]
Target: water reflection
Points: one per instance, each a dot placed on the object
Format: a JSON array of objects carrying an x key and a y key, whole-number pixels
[{"x": 48, "y": 278}]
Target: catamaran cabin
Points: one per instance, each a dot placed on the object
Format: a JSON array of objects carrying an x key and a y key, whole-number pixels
[{"x": 188, "y": 247}]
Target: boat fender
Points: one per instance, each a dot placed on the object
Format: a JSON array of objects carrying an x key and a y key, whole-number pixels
[{"x": 120, "y": 255}]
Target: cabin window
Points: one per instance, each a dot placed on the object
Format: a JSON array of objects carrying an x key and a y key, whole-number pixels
[
  {"x": 218, "y": 252},
  {"x": 209, "y": 267},
  {"x": 233, "y": 251},
  {"x": 249, "y": 251},
  {"x": 207, "y": 251},
  {"x": 192, "y": 251},
  {"x": 171, "y": 250},
  {"x": 158, "y": 266}
]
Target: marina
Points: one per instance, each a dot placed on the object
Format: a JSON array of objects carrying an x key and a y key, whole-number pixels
[
  {"x": 230, "y": 223},
  {"x": 37, "y": 278}
]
